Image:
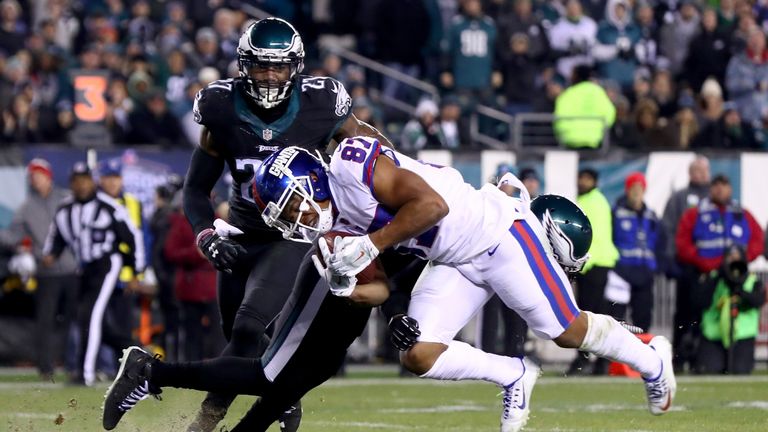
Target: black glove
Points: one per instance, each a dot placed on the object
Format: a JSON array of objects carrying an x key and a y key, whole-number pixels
[
  {"x": 220, "y": 251},
  {"x": 404, "y": 331}
]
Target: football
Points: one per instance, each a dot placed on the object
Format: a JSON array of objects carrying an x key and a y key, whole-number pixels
[{"x": 368, "y": 274}]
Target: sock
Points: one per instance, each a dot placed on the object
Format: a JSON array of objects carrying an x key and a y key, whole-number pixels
[
  {"x": 607, "y": 338},
  {"x": 223, "y": 375},
  {"x": 461, "y": 361}
]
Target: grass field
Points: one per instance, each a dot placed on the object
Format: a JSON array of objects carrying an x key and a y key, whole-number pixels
[{"x": 391, "y": 404}]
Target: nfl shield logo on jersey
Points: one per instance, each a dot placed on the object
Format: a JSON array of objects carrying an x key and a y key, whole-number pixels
[{"x": 266, "y": 134}]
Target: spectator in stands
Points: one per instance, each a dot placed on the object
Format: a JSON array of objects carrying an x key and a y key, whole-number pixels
[
  {"x": 20, "y": 121},
  {"x": 469, "y": 62},
  {"x": 424, "y": 131},
  {"x": 731, "y": 298},
  {"x": 706, "y": 231},
  {"x": 13, "y": 30},
  {"x": 615, "y": 48},
  {"x": 31, "y": 221},
  {"x": 726, "y": 15},
  {"x": 684, "y": 321},
  {"x": 180, "y": 76},
  {"x": 740, "y": 35},
  {"x": 195, "y": 288},
  {"x": 402, "y": 32},
  {"x": 530, "y": 179},
  {"x": 572, "y": 38},
  {"x": 206, "y": 51},
  {"x": 176, "y": 15},
  {"x": 521, "y": 20},
  {"x": 747, "y": 78},
  {"x": 590, "y": 283},
  {"x": 676, "y": 35},
  {"x": 454, "y": 128},
  {"x": 583, "y": 98},
  {"x": 641, "y": 87},
  {"x": 684, "y": 127},
  {"x": 225, "y": 25},
  {"x": 712, "y": 104},
  {"x": 153, "y": 123},
  {"x": 709, "y": 52},
  {"x": 520, "y": 71},
  {"x": 640, "y": 239},
  {"x": 730, "y": 132},
  {"x": 663, "y": 93},
  {"x": 647, "y": 47},
  {"x": 141, "y": 27}
]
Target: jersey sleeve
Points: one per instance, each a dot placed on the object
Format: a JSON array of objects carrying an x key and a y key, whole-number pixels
[
  {"x": 354, "y": 161},
  {"x": 328, "y": 105},
  {"x": 208, "y": 107}
]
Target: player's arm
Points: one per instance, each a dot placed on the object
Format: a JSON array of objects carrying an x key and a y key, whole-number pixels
[
  {"x": 353, "y": 127},
  {"x": 204, "y": 171},
  {"x": 418, "y": 206},
  {"x": 373, "y": 293}
]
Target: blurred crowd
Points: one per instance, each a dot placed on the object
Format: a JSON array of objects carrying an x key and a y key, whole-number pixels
[{"x": 679, "y": 74}]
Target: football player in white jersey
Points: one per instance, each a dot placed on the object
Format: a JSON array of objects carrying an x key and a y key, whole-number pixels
[{"x": 477, "y": 242}]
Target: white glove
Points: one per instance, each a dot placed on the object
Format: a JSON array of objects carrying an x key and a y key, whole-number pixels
[
  {"x": 341, "y": 286},
  {"x": 351, "y": 255},
  {"x": 224, "y": 229}
]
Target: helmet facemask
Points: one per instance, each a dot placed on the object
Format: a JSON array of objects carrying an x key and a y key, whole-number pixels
[
  {"x": 300, "y": 187},
  {"x": 562, "y": 246},
  {"x": 268, "y": 93}
]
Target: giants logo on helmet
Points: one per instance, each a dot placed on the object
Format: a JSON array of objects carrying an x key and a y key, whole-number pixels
[{"x": 281, "y": 161}]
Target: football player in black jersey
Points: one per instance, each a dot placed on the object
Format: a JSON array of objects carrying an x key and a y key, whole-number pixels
[{"x": 271, "y": 105}]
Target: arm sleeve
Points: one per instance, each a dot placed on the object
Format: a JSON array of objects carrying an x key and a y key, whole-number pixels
[
  {"x": 204, "y": 172},
  {"x": 54, "y": 242},
  {"x": 754, "y": 299},
  {"x": 755, "y": 245},
  {"x": 686, "y": 249}
]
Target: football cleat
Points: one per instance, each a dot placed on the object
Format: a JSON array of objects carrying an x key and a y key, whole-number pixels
[
  {"x": 517, "y": 397},
  {"x": 290, "y": 419},
  {"x": 661, "y": 390},
  {"x": 130, "y": 386}
]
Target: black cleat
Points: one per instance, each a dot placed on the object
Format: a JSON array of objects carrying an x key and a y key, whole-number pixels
[
  {"x": 130, "y": 386},
  {"x": 290, "y": 419}
]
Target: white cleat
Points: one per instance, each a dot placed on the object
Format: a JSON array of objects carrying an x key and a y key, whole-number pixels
[
  {"x": 517, "y": 397},
  {"x": 661, "y": 390}
]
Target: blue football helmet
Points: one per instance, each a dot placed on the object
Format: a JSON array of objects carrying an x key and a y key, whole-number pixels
[{"x": 289, "y": 172}]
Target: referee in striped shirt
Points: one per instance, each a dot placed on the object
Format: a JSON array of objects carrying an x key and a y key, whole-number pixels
[{"x": 93, "y": 225}]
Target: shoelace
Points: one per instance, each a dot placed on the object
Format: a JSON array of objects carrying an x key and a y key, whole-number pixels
[
  {"x": 511, "y": 399},
  {"x": 137, "y": 394},
  {"x": 656, "y": 389}
]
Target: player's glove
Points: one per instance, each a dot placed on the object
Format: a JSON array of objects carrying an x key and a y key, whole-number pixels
[
  {"x": 404, "y": 331},
  {"x": 351, "y": 255},
  {"x": 341, "y": 286},
  {"x": 220, "y": 251}
]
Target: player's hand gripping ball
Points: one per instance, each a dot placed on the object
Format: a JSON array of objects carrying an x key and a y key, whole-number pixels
[{"x": 341, "y": 285}]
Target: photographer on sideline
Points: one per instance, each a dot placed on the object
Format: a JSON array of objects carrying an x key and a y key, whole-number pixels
[{"x": 729, "y": 325}]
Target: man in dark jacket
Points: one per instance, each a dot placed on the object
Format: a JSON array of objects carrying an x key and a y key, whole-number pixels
[
  {"x": 708, "y": 54},
  {"x": 154, "y": 124},
  {"x": 678, "y": 203}
]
